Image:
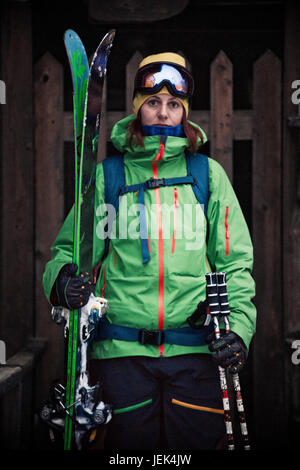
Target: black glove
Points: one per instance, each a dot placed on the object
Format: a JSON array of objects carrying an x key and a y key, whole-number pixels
[
  {"x": 229, "y": 351},
  {"x": 72, "y": 291}
]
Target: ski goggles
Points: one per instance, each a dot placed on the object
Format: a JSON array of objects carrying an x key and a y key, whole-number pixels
[{"x": 151, "y": 78}]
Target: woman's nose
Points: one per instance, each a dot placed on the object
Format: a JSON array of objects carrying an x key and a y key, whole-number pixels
[{"x": 163, "y": 111}]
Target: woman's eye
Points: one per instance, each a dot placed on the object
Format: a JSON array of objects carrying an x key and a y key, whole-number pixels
[
  {"x": 174, "y": 104},
  {"x": 152, "y": 102}
]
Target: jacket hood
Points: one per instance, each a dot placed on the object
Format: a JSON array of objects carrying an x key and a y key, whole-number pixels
[{"x": 119, "y": 138}]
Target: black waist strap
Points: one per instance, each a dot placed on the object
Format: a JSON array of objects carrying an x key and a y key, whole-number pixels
[{"x": 185, "y": 336}]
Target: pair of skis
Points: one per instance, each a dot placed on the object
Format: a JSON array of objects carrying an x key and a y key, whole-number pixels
[
  {"x": 77, "y": 409},
  {"x": 88, "y": 83}
]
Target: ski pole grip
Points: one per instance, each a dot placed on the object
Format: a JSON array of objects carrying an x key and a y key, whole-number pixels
[
  {"x": 223, "y": 295},
  {"x": 212, "y": 293}
]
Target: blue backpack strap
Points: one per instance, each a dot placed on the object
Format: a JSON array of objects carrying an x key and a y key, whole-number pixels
[
  {"x": 184, "y": 336},
  {"x": 114, "y": 179},
  {"x": 197, "y": 167}
]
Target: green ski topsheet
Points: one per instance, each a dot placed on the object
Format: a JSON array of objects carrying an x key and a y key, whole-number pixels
[{"x": 80, "y": 74}]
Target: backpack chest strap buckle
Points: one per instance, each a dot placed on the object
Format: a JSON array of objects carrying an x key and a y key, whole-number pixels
[
  {"x": 153, "y": 183},
  {"x": 153, "y": 337}
]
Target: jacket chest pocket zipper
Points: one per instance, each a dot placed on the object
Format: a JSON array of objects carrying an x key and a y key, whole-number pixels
[
  {"x": 227, "y": 234},
  {"x": 176, "y": 205}
]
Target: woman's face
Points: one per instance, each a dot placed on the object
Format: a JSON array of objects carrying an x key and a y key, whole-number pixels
[{"x": 162, "y": 110}]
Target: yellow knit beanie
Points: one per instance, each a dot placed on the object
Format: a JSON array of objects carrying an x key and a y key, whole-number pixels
[{"x": 172, "y": 57}]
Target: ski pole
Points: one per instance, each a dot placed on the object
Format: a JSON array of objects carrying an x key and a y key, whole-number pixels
[
  {"x": 213, "y": 302},
  {"x": 225, "y": 311}
]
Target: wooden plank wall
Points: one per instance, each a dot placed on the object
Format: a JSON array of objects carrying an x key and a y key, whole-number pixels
[
  {"x": 291, "y": 217},
  {"x": 49, "y": 207},
  {"x": 17, "y": 179},
  {"x": 267, "y": 223},
  {"x": 221, "y": 113},
  {"x": 17, "y": 214}
]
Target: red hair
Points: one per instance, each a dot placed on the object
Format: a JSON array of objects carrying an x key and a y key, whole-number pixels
[{"x": 192, "y": 133}]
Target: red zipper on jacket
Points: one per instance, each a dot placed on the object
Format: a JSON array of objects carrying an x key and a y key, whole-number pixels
[
  {"x": 158, "y": 157},
  {"x": 103, "y": 287},
  {"x": 176, "y": 204},
  {"x": 227, "y": 234}
]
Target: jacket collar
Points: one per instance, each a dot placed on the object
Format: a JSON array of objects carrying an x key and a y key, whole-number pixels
[
  {"x": 173, "y": 145},
  {"x": 174, "y": 131}
]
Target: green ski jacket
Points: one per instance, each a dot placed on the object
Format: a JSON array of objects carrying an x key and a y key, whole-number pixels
[{"x": 184, "y": 245}]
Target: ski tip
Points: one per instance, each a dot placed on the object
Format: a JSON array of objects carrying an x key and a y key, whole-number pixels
[
  {"x": 70, "y": 33},
  {"x": 106, "y": 43},
  {"x": 110, "y": 35}
]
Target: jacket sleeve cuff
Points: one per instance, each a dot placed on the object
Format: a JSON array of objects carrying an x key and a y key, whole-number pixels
[{"x": 52, "y": 270}]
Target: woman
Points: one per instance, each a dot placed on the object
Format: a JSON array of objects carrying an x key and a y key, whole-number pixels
[{"x": 165, "y": 393}]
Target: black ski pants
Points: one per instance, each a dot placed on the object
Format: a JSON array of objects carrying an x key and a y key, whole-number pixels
[{"x": 162, "y": 403}]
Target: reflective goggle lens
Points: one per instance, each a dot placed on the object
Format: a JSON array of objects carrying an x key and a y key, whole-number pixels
[
  {"x": 168, "y": 73},
  {"x": 152, "y": 77}
]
